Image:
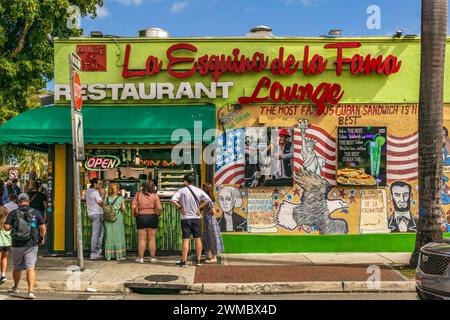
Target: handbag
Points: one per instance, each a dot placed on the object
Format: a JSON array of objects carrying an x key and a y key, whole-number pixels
[{"x": 109, "y": 213}]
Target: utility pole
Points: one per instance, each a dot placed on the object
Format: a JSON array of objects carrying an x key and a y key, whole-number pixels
[{"x": 77, "y": 145}]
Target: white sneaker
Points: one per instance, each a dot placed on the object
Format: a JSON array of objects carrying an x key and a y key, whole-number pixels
[
  {"x": 153, "y": 260},
  {"x": 14, "y": 290},
  {"x": 31, "y": 295},
  {"x": 139, "y": 260}
]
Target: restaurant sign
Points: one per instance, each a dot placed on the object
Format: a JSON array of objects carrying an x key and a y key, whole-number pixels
[
  {"x": 105, "y": 162},
  {"x": 183, "y": 62}
]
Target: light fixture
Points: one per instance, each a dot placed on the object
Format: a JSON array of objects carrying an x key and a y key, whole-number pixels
[
  {"x": 96, "y": 34},
  {"x": 398, "y": 33},
  {"x": 137, "y": 159}
]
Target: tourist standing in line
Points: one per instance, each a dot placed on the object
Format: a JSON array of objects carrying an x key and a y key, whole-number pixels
[
  {"x": 12, "y": 203},
  {"x": 29, "y": 184},
  {"x": 7, "y": 190},
  {"x": 5, "y": 243},
  {"x": 94, "y": 203},
  {"x": 115, "y": 244},
  {"x": 147, "y": 208},
  {"x": 2, "y": 189},
  {"x": 212, "y": 239},
  {"x": 190, "y": 200},
  {"x": 27, "y": 233},
  {"x": 16, "y": 186},
  {"x": 38, "y": 200}
]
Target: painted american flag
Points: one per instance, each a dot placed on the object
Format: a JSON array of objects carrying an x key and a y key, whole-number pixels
[
  {"x": 230, "y": 158},
  {"x": 325, "y": 148},
  {"x": 402, "y": 157}
]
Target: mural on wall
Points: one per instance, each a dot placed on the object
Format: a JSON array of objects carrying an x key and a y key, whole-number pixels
[
  {"x": 361, "y": 158},
  {"x": 373, "y": 211},
  {"x": 315, "y": 207},
  {"x": 260, "y": 208},
  {"x": 446, "y": 148},
  {"x": 315, "y": 151},
  {"x": 401, "y": 219},
  {"x": 445, "y": 196},
  {"x": 268, "y": 157},
  {"x": 446, "y": 202},
  {"x": 229, "y": 158},
  {"x": 402, "y": 158},
  {"x": 230, "y": 198},
  {"x": 308, "y": 205}
]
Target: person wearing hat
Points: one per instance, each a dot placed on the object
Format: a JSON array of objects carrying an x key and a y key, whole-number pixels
[
  {"x": 284, "y": 156},
  {"x": 27, "y": 232},
  {"x": 9, "y": 189}
]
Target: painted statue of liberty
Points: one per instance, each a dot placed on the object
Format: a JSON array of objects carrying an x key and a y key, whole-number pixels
[{"x": 311, "y": 161}]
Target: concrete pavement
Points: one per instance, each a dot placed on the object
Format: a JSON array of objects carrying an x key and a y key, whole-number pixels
[
  {"x": 62, "y": 275},
  {"x": 220, "y": 297}
]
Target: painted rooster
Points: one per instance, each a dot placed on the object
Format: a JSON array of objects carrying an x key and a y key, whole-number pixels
[{"x": 315, "y": 208}]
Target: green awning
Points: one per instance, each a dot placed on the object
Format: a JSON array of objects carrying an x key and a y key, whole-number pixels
[{"x": 108, "y": 124}]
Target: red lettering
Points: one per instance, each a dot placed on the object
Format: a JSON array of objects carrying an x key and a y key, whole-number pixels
[
  {"x": 325, "y": 93},
  {"x": 339, "y": 59},
  {"x": 127, "y": 73},
  {"x": 152, "y": 66},
  {"x": 175, "y": 60},
  {"x": 365, "y": 65},
  {"x": 254, "y": 97}
]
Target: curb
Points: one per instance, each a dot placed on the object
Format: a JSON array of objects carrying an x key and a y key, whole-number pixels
[
  {"x": 62, "y": 286},
  {"x": 300, "y": 287},
  {"x": 233, "y": 288}
]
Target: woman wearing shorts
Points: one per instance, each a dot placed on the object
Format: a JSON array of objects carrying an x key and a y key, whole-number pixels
[
  {"x": 147, "y": 208},
  {"x": 5, "y": 243}
]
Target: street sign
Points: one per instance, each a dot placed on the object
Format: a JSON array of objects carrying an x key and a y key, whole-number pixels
[
  {"x": 13, "y": 174},
  {"x": 77, "y": 96},
  {"x": 79, "y": 141},
  {"x": 75, "y": 61}
]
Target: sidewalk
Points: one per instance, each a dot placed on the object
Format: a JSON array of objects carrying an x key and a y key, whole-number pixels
[{"x": 236, "y": 274}]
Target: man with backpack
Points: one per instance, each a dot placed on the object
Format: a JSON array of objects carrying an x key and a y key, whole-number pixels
[
  {"x": 28, "y": 232},
  {"x": 190, "y": 200}
]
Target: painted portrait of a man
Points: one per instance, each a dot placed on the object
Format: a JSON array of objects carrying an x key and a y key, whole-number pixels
[{"x": 401, "y": 219}]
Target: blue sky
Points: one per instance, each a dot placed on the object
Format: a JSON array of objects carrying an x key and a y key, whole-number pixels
[
  {"x": 185, "y": 18},
  {"x": 235, "y": 17}
]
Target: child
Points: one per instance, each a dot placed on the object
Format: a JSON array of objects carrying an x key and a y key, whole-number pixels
[{"x": 5, "y": 244}]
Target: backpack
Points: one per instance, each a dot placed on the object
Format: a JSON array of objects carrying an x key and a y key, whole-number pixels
[
  {"x": 109, "y": 213},
  {"x": 24, "y": 222}
]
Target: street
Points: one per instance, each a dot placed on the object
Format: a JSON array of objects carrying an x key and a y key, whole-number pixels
[{"x": 313, "y": 296}]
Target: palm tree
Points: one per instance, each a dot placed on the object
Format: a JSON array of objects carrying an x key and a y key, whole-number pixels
[
  {"x": 433, "y": 40},
  {"x": 34, "y": 161}
]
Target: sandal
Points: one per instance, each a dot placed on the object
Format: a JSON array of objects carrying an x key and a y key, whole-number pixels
[{"x": 211, "y": 261}]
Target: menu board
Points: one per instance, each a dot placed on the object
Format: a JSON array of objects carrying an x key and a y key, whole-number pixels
[{"x": 361, "y": 156}]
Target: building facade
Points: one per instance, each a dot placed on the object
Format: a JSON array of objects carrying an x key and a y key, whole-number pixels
[{"x": 311, "y": 144}]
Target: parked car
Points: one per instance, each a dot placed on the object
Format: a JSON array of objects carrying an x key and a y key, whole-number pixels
[{"x": 433, "y": 271}]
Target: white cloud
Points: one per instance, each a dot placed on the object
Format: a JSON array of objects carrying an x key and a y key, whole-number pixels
[
  {"x": 178, "y": 7},
  {"x": 130, "y": 2},
  {"x": 102, "y": 12},
  {"x": 306, "y": 3}
]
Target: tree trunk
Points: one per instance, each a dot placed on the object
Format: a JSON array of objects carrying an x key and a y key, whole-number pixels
[{"x": 433, "y": 39}]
